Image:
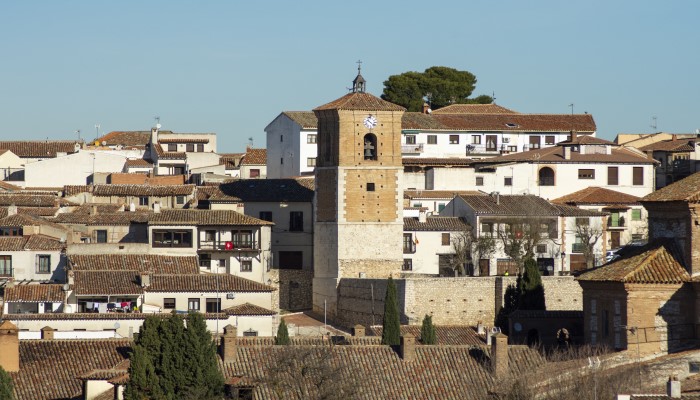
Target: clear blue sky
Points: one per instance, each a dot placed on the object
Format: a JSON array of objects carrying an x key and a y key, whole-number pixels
[{"x": 231, "y": 67}]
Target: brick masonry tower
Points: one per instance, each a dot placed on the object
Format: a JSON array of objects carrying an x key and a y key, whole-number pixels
[{"x": 359, "y": 218}]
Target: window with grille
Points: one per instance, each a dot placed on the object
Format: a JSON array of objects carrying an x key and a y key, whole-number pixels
[
  {"x": 454, "y": 139},
  {"x": 310, "y": 139},
  {"x": 43, "y": 264},
  {"x": 246, "y": 265},
  {"x": 169, "y": 303},
  {"x": 410, "y": 139},
  {"x": 193, "y": 304},
  {"x": 586, "y": 174},
  {"x": 407, "y": 264},
  {"x": 446, "y": 239},
  {"x": 432, "y": 139}
]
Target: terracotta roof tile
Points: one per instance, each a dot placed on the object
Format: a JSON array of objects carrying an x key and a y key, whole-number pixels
[
  {"x": 555, "y": 154},
  {"x": 687, "y": 189},
  {"x": 143, "y": 190},
  {"x": 183, "y": 140},
  {"x": 35, "y": 293},
  {"x": 50, "y": 368},
  {"x": 214, "y": 194},
  {"x": 205, "y": 283},
  {"x": 566, "y": 210},
  {"x": 22, "y": 220},
  {"x": 204, "y": 217},
  {"x": 254, "y": 157},
  {"x": 39, "y": 148},
  {"x": 587, "y": 139},
  {"x": 597, "y": 195},
  {"x": 9, "y": 187},
  {"x": 248, "y": 309},
  {"x": 653, "y": 263},
  {"x": 436, "y": 162},
  {"x": 157, "y": 264},
  {"x": 29, "y": 200},
  {"x": 71, "y": 190},
  {"x": 512, "y": 205},
  {"x": 269, "y": 190},
  {"x": 231, "y": 161},
  {"x": 453, "y": 335},
  {"x": 113, "y": 283},
  {"x": 474, "y": 109},
  {"x": 360, "y": 101},
  {"x": 672, "y": 146},
  {"x": 138, "y": 163},
  {"x": 438, "y": 194},
  {"x": 499, "y": 122},
  {"x": 126, "y": 138},
  {"x": 12, "y": 243},
  {"x": 42, "y": 242},
  {"x": 106, "y": 218},
  {"x": 453, "y": 224},
  {"x": 305, "y": 119}
]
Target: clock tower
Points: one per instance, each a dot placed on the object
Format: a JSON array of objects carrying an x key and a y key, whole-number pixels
[{"x": 358, "y": 228}]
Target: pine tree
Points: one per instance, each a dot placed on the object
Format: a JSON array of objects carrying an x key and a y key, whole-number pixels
[
  {"x": 391, "y": 332},
  {"x": 427, "y": 331},
  {"x": 282, "y": 337},
  {"x": 6, "y": 392},
  {"x": 143, "y": 380},
  {"x": 532, "y": 291},
  {"x": 205, "y": 380}
]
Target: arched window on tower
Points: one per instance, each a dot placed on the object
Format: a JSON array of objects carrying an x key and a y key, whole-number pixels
[
  {"x": 370, "y": 147},
  {"x": 546, "y": 177}
]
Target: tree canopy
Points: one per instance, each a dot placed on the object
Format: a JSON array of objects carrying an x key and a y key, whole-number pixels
[
  {"x": 427, "y": 331},
  {"x": 282, "y": 337},
  {"x": 532, "y": 291},
  {"x": 6, "y": 392},
  {"x": 439, "y": 86}
]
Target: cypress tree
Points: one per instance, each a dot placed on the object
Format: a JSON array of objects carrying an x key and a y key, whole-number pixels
[
  {"x": 143, "y": 380},
  {"x": 532, "y": 291},
  {"x": 427, "y": 331},
  {"x": 391, "y": 332},
  {"x": 205, "y": 380},
  {"x": 282, "y": 337},
  {"x": 173, "y": 375},
  {"x": 6, "y": 392}
]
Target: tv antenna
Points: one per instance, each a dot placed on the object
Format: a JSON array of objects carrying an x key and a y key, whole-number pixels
[
  {"x": 77, "y": 131},
  {"x": 250, "y": 142},
  {"x": 653, "y": 122},
  {"x": 97, "y": 130},
  {"x": 493, "y": 97},
  {"x": 157, "y": 118}
]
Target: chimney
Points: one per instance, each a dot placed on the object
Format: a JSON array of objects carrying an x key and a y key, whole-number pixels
[
  {"x": 154, "y": 136},
  {"x": 93, "y": 210},
  {"x": 47, "y": 333},
  {"x": 132, "y": 207},
  {"x": 9, "y": 347},
  {"x": 156, "y": 207},
  {"x": 12, "y": 210},
  {"x": 228, "y": 344},
  {"x": 407, "y": 348},
  {"x": 567, "y": 152},
  {"x": 71, "y": 277},
  {"x": 674, "y": 137},
  {"x": 426, "y": 108},
  {"x": 422, "y": 215},
  {"x": 499, "y": 354},
  {"x": 673, "y": 387},
  {"x": 574, "y": 136},
  {"x": 145, "y": 280},
  {"x": 358, "y": 331}
]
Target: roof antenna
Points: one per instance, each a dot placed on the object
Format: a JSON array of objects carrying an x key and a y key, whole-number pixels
[
  {"x": 250, "y": 142},
  {"x": 157, "y": 118},
  {"x": 78, "y": 132},
  {"x": 653, "y": 123},
  {"x": 493, "y": 97}
]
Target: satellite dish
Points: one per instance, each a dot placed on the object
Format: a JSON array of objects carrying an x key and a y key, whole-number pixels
[
  {"x": 66, "y": 287},
  {"x": 116, "y": 325}
]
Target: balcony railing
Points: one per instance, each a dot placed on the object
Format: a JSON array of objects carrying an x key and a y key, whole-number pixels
[
  {"x": 409, "y": 248},
  {"x": 620, "y": 223},
  {"x": 412, "y": 148},
  {"x": 227, "y": 245}
]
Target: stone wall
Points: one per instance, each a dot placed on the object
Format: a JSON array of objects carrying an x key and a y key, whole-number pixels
[
  {"x": 294, "y": 289},
  {"x": 465, "y": 300}
]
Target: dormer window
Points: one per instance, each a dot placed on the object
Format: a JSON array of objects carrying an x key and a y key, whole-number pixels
[{"x": 511, "y": 125}]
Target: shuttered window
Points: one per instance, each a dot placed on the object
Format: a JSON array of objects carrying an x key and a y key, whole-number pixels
[
  {"x": 612, "y": 176},
  {"x": 638, "y": 176}
]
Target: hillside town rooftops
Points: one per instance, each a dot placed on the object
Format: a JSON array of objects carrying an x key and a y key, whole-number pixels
[
  {"x": 438, "y": 194},
  {"x": 474, "y": 109},
  {"x": 686, "y": 190},
  {"x": 35, "y": 293},
  {"x": 270, "y": 190},
  {"x": 555, "y": 154},
  {"x": 40, "y": 148},
  {"x": 597, "y": 195},
  {"x": 305, "y": 119},
  {"x": 498, "y": 122},
  {"x": 360, "y": 101},
  {"x": 511, "y": 205},
  {"x": 153, "y": 263},
  {"x": 204, "y": 217},
  {"x": 254, "y": 157},
  {"x": 126, "y": 138},
  {"x": 453, "y": 224}
]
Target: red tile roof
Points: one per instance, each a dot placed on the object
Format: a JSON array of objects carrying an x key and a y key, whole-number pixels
[
  {"x": 204, "y": 217},
  {"x": 102, "y": 283},
  {"x": 254, "y": 157},
  {"x": 105, "y": 218},
  {"x": 451, "y": 224},
  {"x": 360, "y": 101},
  {"x": 248, "y": 309},
  {"x": 672, "y": 146},
  {"x": 597, "y": 195},
  {"x": 183, "y": 140},
  {"x": 452, "y": 335},
  {"x": 30, "y": 200},
  {"x": 205, "y": 283},
  {"x": 126, "y": 138},
  {"x": 687, "y": 189},
  {"x": 138, "y": 163},
  {"x": 157, "y": 264},
  {"x": 555, "y": 154},
  {"x": 35, "y": 293},
  {"x": 499, "y": 122},
  {"x": 40, "y": 148},
  {"x": 143, "y": 190},
  {"x": 511, "y": 205},
  {"x": 270, "y": 190},
  {"x": 473, "y": 109},
  {"x": 305, "y": 119}
]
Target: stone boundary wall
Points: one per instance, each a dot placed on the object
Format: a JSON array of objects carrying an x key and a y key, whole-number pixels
[
  {"x": 451, "y": 301},
  {"x": 294, "y": 289}
]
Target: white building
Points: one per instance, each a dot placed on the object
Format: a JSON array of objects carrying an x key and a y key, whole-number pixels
[
  {"x": 291, "y": 144},
  {"x": 31, "y": 258},
  {"x": 428, "y": 244}
]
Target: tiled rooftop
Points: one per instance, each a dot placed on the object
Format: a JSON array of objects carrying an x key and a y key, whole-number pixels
[
  {"x": 436, "y": 162},
  {"x": 450, "y": 335},
  {"x": 106, "y": 218},
  {"x": 597, "y": 195},
  {"x": 248, "y": 309},
  {"x": 39, "y": 148},
  {"x": 555, "y": 154},
  {"x": 473, "y": 109},
  {"x": 511, "y": 205},
  {"x": 30, "y": 200},
  {"x": 204, "y": 217},
  {"x": 205, "y": 283},
  {"x": 687, "y": 189},
  {"x": 572, "y": 211},
  {"x": 360, "y": 101},
  {"x": 269, "y": 190},
  {"x": 113, "y": 283},
  {"x": 305, "y": 119},
  {"x": 157, "y": 264},
  {"x": 126, "y": 138},
  {"x": 254, "y": 157},
  {"x": 35, "y": 293},
  {"x": 451, "y": 224},
  {"x": 143, "y": 190},
  {"x": 438, "y": 194},
  {"x": 499, "y": 122}
]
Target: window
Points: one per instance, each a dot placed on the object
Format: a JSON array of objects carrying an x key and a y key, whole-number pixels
[
  {"x": 612, "y": 176},
  {"x": 242, "y": 239},
  {"x": 172, "y": 147},
  {"x": 586, "y": 174},
  {"x": 636, "y": 215},
  {"x": 432, "y": 139},
  {"x": 311, "y": 162},
  {"x": 250, "y": 332},
  {"x": 296, "y": 221},
  {"x": 5, "y": 265},
  {"x": 549, "y": 140},
  {"x": 486, "y": 229},
  {"x": 222, "y": 262},
  {"x": 512, "y": 149},
  {"x": 48, "y": 307},
  {"x": 582, "y": 221},
  {"x": 178, "y": 170},
  {"x": 508, "y": 181},
  {"x": 491, "y": 142},
  {"x": 281, "y": 138},
  {"x": 254, "y": 173},
  {"x": 43, "y": 264},
  {"x": 454, "y": 139},
  {"x": 370, "y": 147},
  {"x": 408, "y": 245},
  {"x": 410, "y": 139},
  {"x": 200, "y": 148},
  {"x": 311, "y": 139},
  {"x": 101, "y": 236},
  {"x": 172, "y": 238},
  {"x": 169, "y": 303},
  {"x": 246, "y": 266},
  {"x": 476, "y": 139},
  {"x": 192, "y": 304},
  {"x": 11, "y": 231},
  {"x": 291, "y": 260},
  {"x": 542, "y": 248},
  {"x": 209, "y": 236},
  {"x": 370, "y": 187},
  {"x": 546, "y": 177},
  {"x": 143, "y": 200},
  {"x": 205, "y": 261},
  {"x": 534, "y": 142},
  {"x": 407, "y": 265},
  {"x": 479, "y": 181},
  {"x": 446, "y": 239},
  {"x": 281, "y": 160},
  {"x": 266, "y": 215},
  {"x": 189, "y": 147},
  {"x": 180, "y": 200},
  {"x": 638, "y": 176},
  {"x": 213, "y": 305}
]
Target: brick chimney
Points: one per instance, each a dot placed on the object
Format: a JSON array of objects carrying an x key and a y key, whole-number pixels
[
  {"x": 426, "y": 108},
  {"x": 12, "y": 210},
  {"x": 93, "y": 210},
  {"x": 47, "y": 333},
  {"x": 422, "y": 215},
  {"x": 407, "y": 348},
  {"x": 228, "y": 344},
  {"x": 673, "y": 387},
  {"x": 145, "y": 280},
  {"x": 358, "y": 331},
  {"x": 499, "y": 354},
  {"x": 9, "y": 347},
  {"x": 156, "y": 207}
]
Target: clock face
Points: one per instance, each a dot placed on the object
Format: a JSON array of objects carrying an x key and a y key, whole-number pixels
[{"x": 370, "y": 122}]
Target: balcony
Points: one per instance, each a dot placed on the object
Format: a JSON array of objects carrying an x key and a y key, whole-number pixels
[
  {"x": 227, "y": 245},
  {"x": 616, "y": 224},
  {"x": 412, "y": 148}
]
